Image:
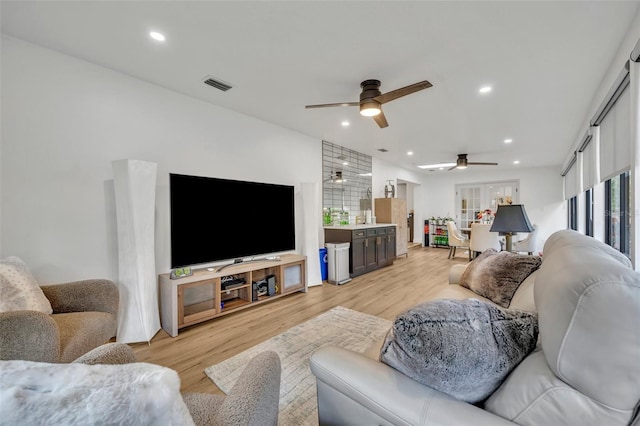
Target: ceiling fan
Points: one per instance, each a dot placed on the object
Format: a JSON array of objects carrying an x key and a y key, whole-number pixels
[
  {"x": 371, "y": 99},
  {"x": 462, "y": 163}
]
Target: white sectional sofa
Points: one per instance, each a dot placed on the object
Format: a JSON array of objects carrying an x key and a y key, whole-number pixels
[{"x": 584, "y": 371}]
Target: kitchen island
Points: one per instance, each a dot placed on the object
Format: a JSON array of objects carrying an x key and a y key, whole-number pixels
[{"x": 371, "y": 246}]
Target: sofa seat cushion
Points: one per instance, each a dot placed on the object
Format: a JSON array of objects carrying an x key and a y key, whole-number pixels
[
  {"x": 459, "y": 292},
  {"x": 78, "y": 394},
  {"x": 464, "y": 348},
  {"x": 19, "y": 290},
  {"x": 532, "y": 395},
  {"x": 497, "y": 275},
  {"x": 82, "y": 331}
]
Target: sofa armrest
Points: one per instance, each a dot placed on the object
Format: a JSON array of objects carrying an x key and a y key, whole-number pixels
[
  {"x": 29, "y": 336},
  {"x": 253, "y": 400},
  {"x": 352, "y": 386},
  {"x": 97, "y": 295},
  {"x": 255, "y": 396},
  {"x": 109, "y": 353},
  {"x": 455, "y": 272}
]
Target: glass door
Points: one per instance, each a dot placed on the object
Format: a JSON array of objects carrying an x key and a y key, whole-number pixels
[
  {"x": 470, "y": 203},
  {"x": 472, "y": 199},
  {"x": 500, "y": 194}
]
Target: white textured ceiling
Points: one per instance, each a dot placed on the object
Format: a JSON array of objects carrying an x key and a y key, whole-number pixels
[{"x": 544, "y": 60}]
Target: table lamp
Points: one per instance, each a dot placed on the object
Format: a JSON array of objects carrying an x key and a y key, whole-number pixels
[{"x": 510, "y": 219}]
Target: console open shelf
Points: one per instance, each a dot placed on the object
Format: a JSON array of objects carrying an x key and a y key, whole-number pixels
[{"x": 202, "y": 296}]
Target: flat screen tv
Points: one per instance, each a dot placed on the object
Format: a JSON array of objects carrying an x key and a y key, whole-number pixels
[{"x": 220, "y": 219}]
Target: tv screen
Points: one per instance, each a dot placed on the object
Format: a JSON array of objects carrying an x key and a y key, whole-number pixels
[{"x": 220, "y": 219}]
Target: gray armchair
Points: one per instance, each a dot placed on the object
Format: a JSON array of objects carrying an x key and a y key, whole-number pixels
[
  {"x": 253, "y": 400},
  {"x": 84, "y": 317}
]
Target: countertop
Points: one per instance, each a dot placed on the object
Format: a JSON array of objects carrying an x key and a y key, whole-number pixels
[{"x": 364, "y": 226}]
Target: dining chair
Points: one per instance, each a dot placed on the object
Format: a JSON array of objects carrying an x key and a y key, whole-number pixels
[
  {"x": 482, "y": 238},
  {"x": 527, "y": 244},
  {"x": 456, "y": 239}
]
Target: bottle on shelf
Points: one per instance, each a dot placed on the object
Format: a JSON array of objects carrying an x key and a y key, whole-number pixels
[{"x": 326, "y": 214}]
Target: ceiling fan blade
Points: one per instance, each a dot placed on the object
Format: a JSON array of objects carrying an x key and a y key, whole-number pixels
[
  {"x": 395, "y": 94},
  {"x": 481, "y": 164},
  {"x": 453, "y": 167},
  {"x": 381, "y": 120},
  {"x": 340, "y": 104}
]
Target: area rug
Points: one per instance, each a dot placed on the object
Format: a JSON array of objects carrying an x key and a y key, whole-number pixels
[{"x": 339, "y": 326}]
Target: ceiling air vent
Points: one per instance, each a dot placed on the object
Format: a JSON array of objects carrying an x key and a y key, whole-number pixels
[{"x": 218, "y": 84}]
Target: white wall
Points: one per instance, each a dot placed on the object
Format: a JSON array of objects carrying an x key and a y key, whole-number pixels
[
  {"x": 540, "y": 192},
  {"x": 65, "y": 120},
  {"x": 384, "y": 171}
]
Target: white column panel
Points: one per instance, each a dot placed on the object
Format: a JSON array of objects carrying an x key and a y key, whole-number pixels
[
  {"x": 598, "y": 212},
  {"x": 135, "y": 193},
  {"x": 312, "y": 210},
  {"x": 634, "y": 179},
  {"x": 582, "y": 206}
]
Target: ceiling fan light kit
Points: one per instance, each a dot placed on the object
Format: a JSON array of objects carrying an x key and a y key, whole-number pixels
[
  {"x": 370, "y": 108},
  {"x": 461, "y": 163},
  {"x": 371, "y": 99}
]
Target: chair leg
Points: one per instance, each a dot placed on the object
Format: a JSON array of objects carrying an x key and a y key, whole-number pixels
[
  {"x": 454, "y": 251},
  {"x": 450, "y": 248}
]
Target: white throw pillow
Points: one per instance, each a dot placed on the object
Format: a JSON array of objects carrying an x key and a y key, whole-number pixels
[
  {"x": 19, "y": 291},
  {"x": 79, "y": 394}
]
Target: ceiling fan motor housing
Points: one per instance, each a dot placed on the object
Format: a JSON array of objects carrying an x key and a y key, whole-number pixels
[{"x": 370, "y": 89}]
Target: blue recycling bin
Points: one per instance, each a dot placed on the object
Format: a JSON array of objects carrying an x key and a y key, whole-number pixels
[{"x": 323, "y": 264}]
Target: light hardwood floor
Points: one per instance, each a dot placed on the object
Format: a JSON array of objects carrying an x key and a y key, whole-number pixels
[{"x": 384, "y": 293}]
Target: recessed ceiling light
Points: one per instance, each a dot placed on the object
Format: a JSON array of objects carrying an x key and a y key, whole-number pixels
[
  {"x": 437, "y": 165},
  {"x": 508, "y": 140},
  {"x": 345, "y": 123},
  {"x": 345, "y": 163},
  {"x": 409, "y": 152},
  {"x": 485, "y": 89},
  {"x": 157, "y": 36},
  {"x": 516, "y": 162}
]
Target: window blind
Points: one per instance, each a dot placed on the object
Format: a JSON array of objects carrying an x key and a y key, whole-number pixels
[
  {"x": 615, "y": 138},
  {"x": 589, "y": 158}
]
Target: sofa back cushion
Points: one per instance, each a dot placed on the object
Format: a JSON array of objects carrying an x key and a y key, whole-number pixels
[{"x": 588, "y": 300}]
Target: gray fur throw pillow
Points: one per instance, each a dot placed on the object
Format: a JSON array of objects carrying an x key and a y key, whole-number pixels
[
  {"x": 497, "y": 275},
  {"x": 464, "y": 348}
]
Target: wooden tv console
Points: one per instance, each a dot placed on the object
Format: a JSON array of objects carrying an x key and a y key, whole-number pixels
[{"x": 201, "y": 296}]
